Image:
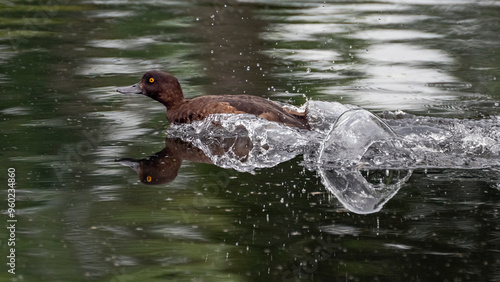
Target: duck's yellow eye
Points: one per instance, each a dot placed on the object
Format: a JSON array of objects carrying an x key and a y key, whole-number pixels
[
  {"x": 148, "y": 178},
  {"x": 151, "y": 80}
]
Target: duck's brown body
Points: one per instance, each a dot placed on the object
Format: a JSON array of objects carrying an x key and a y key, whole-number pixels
[
  {"x": 166, "y": 89},
  {"x": 201, "y": 107}
]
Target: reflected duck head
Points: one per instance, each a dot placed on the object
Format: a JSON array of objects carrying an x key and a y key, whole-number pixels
[
  {"x": 159, "y": 168},
  {"x": 160, "y": 86}
]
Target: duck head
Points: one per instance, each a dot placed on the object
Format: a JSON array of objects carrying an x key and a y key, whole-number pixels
[{"x": 160, "y": 86}]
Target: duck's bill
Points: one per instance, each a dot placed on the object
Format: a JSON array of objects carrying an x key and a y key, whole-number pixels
[
  {"x": 133, "y": 89},
  {"x": 134, "y": 164}
]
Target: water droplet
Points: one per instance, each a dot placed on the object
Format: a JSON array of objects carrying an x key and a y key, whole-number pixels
[
  {"x": 378, "y": 161},
  {"x": 248, "y": 68},
  {"x": 197, "y": 19},
  {"x": 211, "y": 51},
  {"x": 308, "y": 70}
]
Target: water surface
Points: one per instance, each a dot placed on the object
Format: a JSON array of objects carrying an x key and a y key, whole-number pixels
[{"x": 421, "y": 204}]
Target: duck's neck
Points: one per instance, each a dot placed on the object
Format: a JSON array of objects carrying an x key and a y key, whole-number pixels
[
  {"x": 170, "y": 98},
  {"x": 172, "y": 101}
]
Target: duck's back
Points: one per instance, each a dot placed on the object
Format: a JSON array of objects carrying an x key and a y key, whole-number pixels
[{"x": 201, "y": 107}]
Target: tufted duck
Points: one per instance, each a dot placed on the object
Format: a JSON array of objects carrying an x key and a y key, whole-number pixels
[{"x": 166, "y": 89}]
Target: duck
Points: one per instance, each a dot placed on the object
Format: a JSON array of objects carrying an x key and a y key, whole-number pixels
[{"x": 166, "y": 89}]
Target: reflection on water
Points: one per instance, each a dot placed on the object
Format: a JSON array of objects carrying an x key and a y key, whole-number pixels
[
  {"x": 419, "y": 202},
  {"x": 102, "y": 66},
  {"x": 164, "y": 166}
]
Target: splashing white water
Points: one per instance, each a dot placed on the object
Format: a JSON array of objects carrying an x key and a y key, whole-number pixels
[
  {"x": 345, "y": 135},
  {"x": 361, "y": 158}
]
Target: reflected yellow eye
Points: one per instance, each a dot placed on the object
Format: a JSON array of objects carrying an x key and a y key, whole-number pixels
[
  {"x": 151, "y": 80},
  {"x": 148, "y": 178}
]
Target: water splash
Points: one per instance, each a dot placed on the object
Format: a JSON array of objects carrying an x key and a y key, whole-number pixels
[
  {"x": 363, "y": 194},
  {"x": 247, "y": 142},
  {"x": 351, "y": 137},
  {"x": 361, "y": 158},
  {"x": 448, "y": 143},
  {"x": 358, "y": 137}
]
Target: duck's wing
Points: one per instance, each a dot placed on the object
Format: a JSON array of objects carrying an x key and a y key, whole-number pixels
[
  {"x": 200, "y": 108},
  {"x": 271, "y": 111}
]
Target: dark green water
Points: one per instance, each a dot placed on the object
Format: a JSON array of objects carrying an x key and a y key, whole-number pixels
[{"x": 82, "y": 216}]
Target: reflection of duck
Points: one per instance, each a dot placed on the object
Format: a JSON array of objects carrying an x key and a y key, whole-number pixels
[
  {"x": 166, "y": 89},
  {"x": 163, "y": 166}
]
